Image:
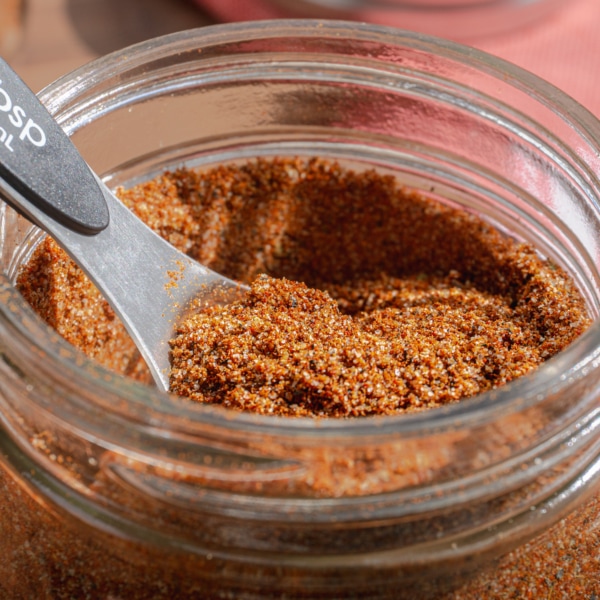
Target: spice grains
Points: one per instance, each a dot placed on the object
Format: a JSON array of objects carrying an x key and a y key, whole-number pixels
[
  {"x": 289, "y": 350},
  {"x": 367, "y": 298}
]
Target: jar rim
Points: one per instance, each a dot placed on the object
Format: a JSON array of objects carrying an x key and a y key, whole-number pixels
[{"x": 525, "y": 391}]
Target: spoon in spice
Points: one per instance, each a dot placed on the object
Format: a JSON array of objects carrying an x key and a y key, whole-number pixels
[{"x": 147, "y": 282}]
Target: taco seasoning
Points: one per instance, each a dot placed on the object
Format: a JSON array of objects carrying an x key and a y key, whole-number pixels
[{"x": 366, "y": 299}]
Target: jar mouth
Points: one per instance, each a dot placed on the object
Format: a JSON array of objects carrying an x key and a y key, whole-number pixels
[{"x": 69, "y": 95}]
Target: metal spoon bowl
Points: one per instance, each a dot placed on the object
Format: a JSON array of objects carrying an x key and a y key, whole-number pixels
[{"x": 147, "y": 282}]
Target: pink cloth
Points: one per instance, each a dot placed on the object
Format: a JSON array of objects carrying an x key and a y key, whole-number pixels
[{"x": 563, "y": 48}]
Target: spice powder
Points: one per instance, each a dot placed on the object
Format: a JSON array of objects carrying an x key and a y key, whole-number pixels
[{"x": 405, "y": 303}]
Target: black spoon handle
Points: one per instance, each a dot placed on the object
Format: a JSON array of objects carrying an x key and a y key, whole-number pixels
[{"x": 39, "y": 161}]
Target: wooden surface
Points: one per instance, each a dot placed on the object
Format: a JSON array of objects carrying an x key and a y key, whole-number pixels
[
  {"x": 10, "y": 26},
  {"x": 58, "y": 35}
]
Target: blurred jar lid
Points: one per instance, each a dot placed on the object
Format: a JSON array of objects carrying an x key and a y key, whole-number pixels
[{"x": 452, "y": 19}]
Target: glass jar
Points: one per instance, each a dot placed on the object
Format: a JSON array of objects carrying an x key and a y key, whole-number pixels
[
  {"x": 452, "y": 19},
  {"x": 112, "y": 490}
]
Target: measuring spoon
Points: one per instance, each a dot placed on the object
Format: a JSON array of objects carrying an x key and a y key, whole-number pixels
[{"x": 147, "y": 281}]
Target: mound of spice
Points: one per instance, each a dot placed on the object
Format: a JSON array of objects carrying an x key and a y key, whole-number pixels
[
  {"x": 288, "y": 350},
  {"x": 405, "y": 303}
]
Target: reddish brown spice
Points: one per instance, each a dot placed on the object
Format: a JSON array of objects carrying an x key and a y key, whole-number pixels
[
  {"x": 405, "y": 304},
  {"x": 288, "y": 350}
]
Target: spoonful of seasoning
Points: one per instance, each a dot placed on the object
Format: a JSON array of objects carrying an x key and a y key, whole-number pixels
[{"x": 147, "y": 281}]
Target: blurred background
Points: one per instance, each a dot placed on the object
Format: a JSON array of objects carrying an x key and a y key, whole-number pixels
[
  {"x": 43, "y": 39},
  {"x": 558, "y": 39}
]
